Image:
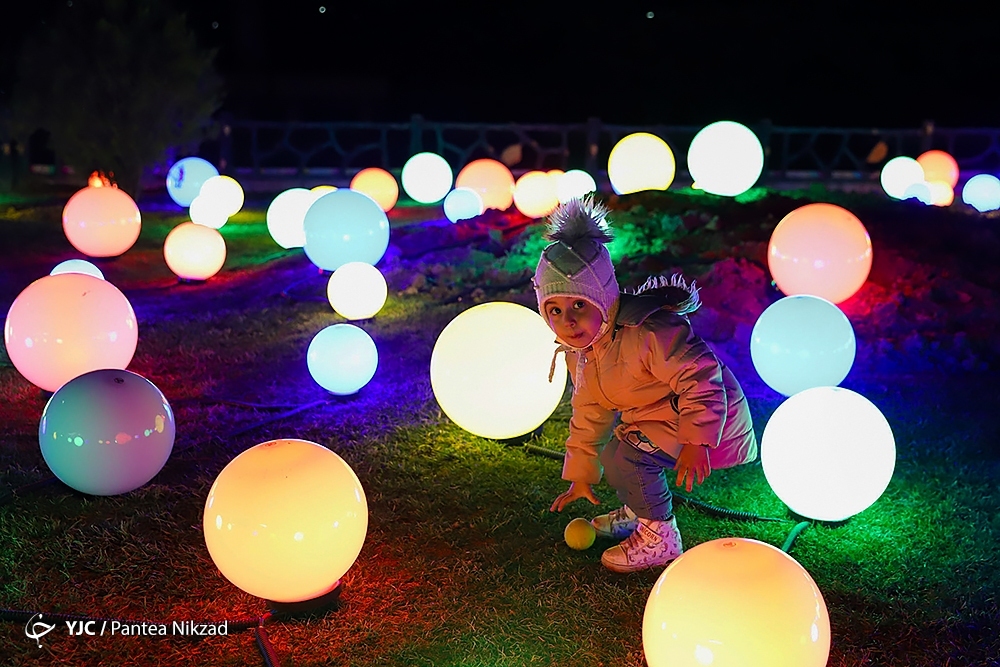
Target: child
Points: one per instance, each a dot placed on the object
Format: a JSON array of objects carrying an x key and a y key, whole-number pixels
[{"x": 634, "y": 355}]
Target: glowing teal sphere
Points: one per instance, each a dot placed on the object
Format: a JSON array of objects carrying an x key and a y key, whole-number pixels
[
  {"x": 345, "y": 226},
  {"x": 725, "y": 158},
  {"x": 801, "y": 342},
  {"x": 982, "y": 192},
  {"x": 76, "y": 266},
  {"x": 900, "y": 173},
  {"x": 342, "y": 358},
  {"x": 426, "y": 177},
  {"x": 185, "y": 178},
  {"x": 462, "y": 204},
  {"x": 920, "y": 191}
]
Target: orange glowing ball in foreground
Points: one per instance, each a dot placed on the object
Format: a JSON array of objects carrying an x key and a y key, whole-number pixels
[
  {"x": 822, "y": 250},
  {"x": 69, "y": 324},
  {"x": 641, "y": 161},
  {"x": 378, "y": 184},
  {"x": 939, "y": 166},
  {"x": 491, "y": 179},
  {"x": 285, "y": 520},
  {"x": 194, "y": 252},
  {"x": 535, "y": 194},
  {"x": 942, "y": 194},
  {"x": 101, "y": 221},
  {"x": 735, "y": 602}
]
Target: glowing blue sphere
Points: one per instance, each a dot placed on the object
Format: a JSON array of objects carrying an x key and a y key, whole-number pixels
[
  {"x": 345, "y": 226},
  {"x": 76, "y": 266},
  {"x": 920, "y": 191},
  {"x": 185, "y": 178},
  {"x": 801, "y": 342},
  {"x": 900, "y": 173},
  {"x": 462, "y": 204},
  {"x": 426, "y": 178},
  {"x": 342, "y": 358},
  {"x": 725, "y": 158},
  {"x": 982, "y": 192}
]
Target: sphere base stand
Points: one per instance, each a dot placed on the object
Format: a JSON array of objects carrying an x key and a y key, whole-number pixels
[{"x": 306, "y": 608}]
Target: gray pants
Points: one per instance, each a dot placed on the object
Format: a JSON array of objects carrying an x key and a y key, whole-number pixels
[{"x": 639, "y": 477}]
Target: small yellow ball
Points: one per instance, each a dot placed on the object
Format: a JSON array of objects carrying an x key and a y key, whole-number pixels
[{"x": 579, "y": 534}]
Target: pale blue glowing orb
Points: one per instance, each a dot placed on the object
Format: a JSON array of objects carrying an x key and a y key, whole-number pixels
[
  {"x": 920, "y": 191},
  {"x": 725, "y": 158},
  {"x": 982, "y": 192},
  {"x": 345, "y": 226},
  {"x": 77, "y": 266},
  {"x": 286, "y": 216},
  {"x": 900, "y": 173},
  {"x": 342, "y": 359},
  {"x": 574, "y": 184},
  {"x": 427, "y": 178},
  {"x": 800, "y": 342},
  {"x": 185, "y": 178},
  {"x": 462, "y": 204},
  {"x": 828, "y": 453}
]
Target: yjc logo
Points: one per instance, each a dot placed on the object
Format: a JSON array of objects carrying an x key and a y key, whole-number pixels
[{"x": 37, "y": 629}]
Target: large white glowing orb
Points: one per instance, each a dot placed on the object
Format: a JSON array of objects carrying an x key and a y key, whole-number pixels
[
  {"x": 194, "y": 252},
  {"x": 574, "y": 184},
  {"x": 342, "y": 358},
  {"x": 285, "y": 520},
  {"x": 357, "y": 290},
  {"x": 735, "y": 602},
  {"x": 800, "y": 342},
  {"x": 66, "y": 325},
  {"x": 208, "y": 212},
  {"x": 490, "y": 370},
  {"x": 286, "y": 215},
  {"x": 226, "y": 191},
  {"x": 535, "y": 194},
  {"x": 462, "y": 204},
  {"x": 345, "y": 226},
  {"x": 426, "y": 177},
  {"x": 820, "y": 249},
  {"x": 491, "y": 179},
  {"x": 378, "y": 184},
  {"x": 725, "y": 158},
  {"x": 101, "y": 222},
  {"x": 641, "y": 161},
  {"x": 900, "y": 173},
  {"x": 939, "y": 166},
  {"x": 811, "y": 449},
  {"x": 106, "y": 432},
  {"x": 982, "y": 192},
  {"x": 185, "y": 178},
  {"x": 76, "y": 266}
]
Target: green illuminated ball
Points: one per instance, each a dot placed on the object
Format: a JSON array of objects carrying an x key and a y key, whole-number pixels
[{"x": 579, "y": 534}]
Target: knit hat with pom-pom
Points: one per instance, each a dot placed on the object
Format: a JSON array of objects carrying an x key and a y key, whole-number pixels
[{"x": 577, "y": 263}]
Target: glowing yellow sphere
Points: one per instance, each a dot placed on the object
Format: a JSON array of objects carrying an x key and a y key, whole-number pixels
[
  {"x": 378, "y": 184},
  {"x": 735, "y": 602},
  {"x": 225, "y": 190},
  {"x": 321, "y": 190},
  {"x": 426, "y": 177},
  {"x": 579, "y": 534},
  {"x": 194, "y": 252},
  {"x": 66, "y": 325},
  {"x": 491, "y": 179},
  {"x": 101, "y": 222},
  {"x": 208, "y": 211},
  {"x": 535, "y": 194},
  {"x": 286, "y": 216},
  {"x": 822, "y": 250},
  {"x": 357, "y": 290},
  {"x": 641, "y": 161},
  {"x": 939, "y": 166},
  {"x": 490, "y": 370},
  {"x": 942, "y": 194},
  {"x": 725, "y": 158},
  {"x": 899, "y": 174},
  {"x": 574, "y": 184},
  {"x": 285, "y": 520}
]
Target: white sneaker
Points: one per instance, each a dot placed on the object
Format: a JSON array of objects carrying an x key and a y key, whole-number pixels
[
  {"x": 616, "y": 524},
  {"x": 654, "y": 543}
]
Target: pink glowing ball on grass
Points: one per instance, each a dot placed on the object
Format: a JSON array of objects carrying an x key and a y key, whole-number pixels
[
  {"x": 101, "y": 222},
  {"x": 822, "y": 250},
  {"x": 194, "y": 252},
  {"x": 66, "y": 325},
  {"x": 378, "y": 184},
  {"x": 491, "y": 179},
  {"x": 939, "y": 166}
]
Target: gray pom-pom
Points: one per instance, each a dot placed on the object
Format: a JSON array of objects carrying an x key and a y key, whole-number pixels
[{"x": 579, "y": 219}]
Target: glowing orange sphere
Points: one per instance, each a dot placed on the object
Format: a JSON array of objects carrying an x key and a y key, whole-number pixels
[
  {"x": 939, "y": 166},
  {"x": 69, "y": 324},
  {"x": 822, "y": 250},
  {"x": 491, "y": 179},
  {"x": 194, "y": 252},
  {"x": 942, "y": 194},
  {"x": 535, "y": 194},
  {"x": 378, "y": 184},
  {"x": 101, "y": 222}
]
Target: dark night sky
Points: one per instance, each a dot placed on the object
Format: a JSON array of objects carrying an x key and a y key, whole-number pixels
[{"x": 797, "y": 63}]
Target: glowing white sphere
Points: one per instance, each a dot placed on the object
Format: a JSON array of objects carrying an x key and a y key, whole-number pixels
[
  {"x": 641, "y": 161},
  {"x": 185, "y": 178},
  {"x": 286, "y": 217},
  {"x": 106, "y": 432},
  {"x": 491, "y": 179},
  {"x": 900, "y": 173},
  {"x": 535, "y": 194},
  {"x": 942, "y": 194},
  {"x": 342, "y": 358},
  {"x": 194, "y": 252},
  {"x": 982, "y": 192},
  {"x": 208, "y": 212},
  {"x": 345, "y": 226},
  {"x": 735, "y": 602},
  {"x": 828, "y": 453},
  {"x": 800, "y": 342},
  {"x": 574, "y": 184},
  {"x": 725, "y": 158},
  {"x": 77, "y": 266},
  {"x": 101, "y": 221},
  {"x": 426, "y": 177},
  {"x": 227, "y": 191},
  {"x": 490, "y": 370},
  {"x": 921, "y": 191},
  {"x": 357, "y": 290},
  {"x": 462, "y": 204}
]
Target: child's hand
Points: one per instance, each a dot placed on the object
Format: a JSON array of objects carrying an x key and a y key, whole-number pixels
[
  {"x": 576, "y": 490},
  {"x": 692, "y": 462}
]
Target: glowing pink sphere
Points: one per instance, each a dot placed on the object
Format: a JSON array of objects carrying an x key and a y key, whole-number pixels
[{"x": 101, "y": 222}]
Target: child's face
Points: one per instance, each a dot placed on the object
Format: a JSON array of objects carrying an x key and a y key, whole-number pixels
[{"x": 574, "y": 320}]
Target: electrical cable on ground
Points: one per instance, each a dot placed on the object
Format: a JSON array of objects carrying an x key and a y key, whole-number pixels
[{"x": 799, "y": 527}]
